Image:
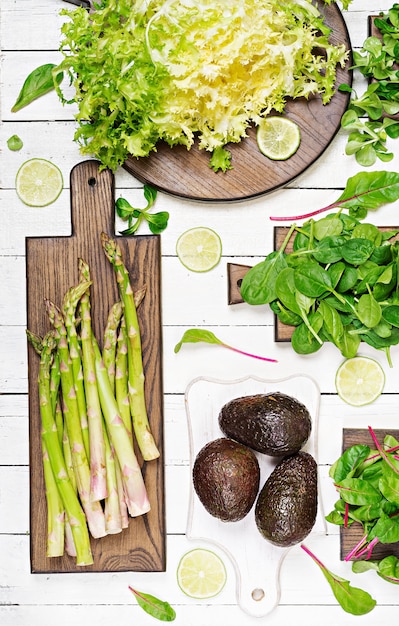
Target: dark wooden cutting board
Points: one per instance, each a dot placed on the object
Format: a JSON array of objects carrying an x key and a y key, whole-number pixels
[
  {"x": 187, "y": 173},
  {"x": 51, "y": 269},
  {"x": 352, "y": 535}
]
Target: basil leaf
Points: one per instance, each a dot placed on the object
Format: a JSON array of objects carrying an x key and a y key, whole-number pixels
[{"x": 39, "y": 82}]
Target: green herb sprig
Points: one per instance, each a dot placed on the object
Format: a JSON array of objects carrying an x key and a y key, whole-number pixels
[
  {"x": 157, "y": 222},
  {"x": 377, "y": 61}
]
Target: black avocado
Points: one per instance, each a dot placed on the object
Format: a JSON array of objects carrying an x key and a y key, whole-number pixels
[
  {"x": 286, "y": 508},
  {"x": 274, "y": 423},
  {"x": 226, "y": 478}
]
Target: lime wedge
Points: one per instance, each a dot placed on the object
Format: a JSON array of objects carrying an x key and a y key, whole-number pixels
[
  {"x": 359, "y": 380},
  {"x": 278, "y": 137},
  {"x": 38, "y": 182},
  {"x": 201, "y": 574},
  {"x": 199, "y": 249}
]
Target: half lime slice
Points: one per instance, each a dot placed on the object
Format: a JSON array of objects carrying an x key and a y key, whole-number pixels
[
  {"x": 201, "y": 574},
  {"x": 199, "y": 249},
  {"x": 278, "y": 137},
  {"x": 38, "y": 182},
  {"x": 359, "y": 380}
]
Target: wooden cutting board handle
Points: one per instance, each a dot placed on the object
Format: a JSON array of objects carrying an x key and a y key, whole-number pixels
[
  {"x": 52, "y": 267},
  {"x": 92, "y": 200}
]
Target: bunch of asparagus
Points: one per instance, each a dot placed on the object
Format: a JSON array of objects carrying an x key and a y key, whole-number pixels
[{"x": 92, "y": 407}]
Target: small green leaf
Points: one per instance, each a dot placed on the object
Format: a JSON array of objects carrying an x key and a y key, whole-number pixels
[
  {"x": 352, "y": 599},
  {"x": 159, "y": 609},
  {"x": 157, "y": 222},
  {"x": 150, "y": 194},
  {"x": 14, "y": 143},
  {"x": 220, "y": 160},
  {"x": 196, "y": 335}
]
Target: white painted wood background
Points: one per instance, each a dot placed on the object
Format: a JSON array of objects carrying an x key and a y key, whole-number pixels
[{"x": 29, "y": 36}]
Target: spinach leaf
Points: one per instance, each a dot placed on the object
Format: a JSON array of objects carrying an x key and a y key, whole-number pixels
[
  {"x": 357, "y": 251},
  {"x": 284, "y": 315},
  {"x": 285, "y": 290},
  {"x": 259, "y": 283},
  {"x": 368, "y": 310},
  {"x": 329, "y": 249},
  {"x": 303, "y": 340},
  {"x": 391, "y": 314},
  {"x": 312, "y": 280}
]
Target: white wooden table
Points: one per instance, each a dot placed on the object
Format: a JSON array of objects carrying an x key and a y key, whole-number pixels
[{"x": 29, "y": 37}]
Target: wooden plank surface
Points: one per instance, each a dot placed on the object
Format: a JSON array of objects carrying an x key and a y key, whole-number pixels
[
  {"x": 352, "y": 535},
  {"x": 51, "y": 269},
  {"x": 188, "y": 174}
]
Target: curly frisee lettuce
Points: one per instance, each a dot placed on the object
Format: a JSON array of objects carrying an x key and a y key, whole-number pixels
[{"x": 185, "y": 71}]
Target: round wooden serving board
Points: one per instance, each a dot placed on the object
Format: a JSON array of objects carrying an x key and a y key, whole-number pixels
[{"x": 187, "y": 174}]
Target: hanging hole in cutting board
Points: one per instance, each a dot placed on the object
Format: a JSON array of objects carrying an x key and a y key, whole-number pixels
[
  {"x": 258, "y": 595},
  {"x": 92, "y": 182}
]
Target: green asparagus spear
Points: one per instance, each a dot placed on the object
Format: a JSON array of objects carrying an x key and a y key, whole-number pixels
[
  {"x": 98, "y": 480},
  {"x": 113, "y": 519},
  {"x": 71, "y": 300},
  {"x": 121, "y": 378},
  {"x": 73, "y": 509},
  {"x": 137, "y": 402},
  {"x": 94, "y": 513},
  {"x": 110, "y": 339},
  {"x": 55, "y": 510},
  {"x": 136, "y": 493}
]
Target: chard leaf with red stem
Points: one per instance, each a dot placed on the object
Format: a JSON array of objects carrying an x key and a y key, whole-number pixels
[
  {"x": 367, "y": 190},
  {"x": 153, "y": 606}
]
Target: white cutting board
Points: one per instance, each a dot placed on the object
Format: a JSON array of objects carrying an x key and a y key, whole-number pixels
[{"x": 256, "y": 561}]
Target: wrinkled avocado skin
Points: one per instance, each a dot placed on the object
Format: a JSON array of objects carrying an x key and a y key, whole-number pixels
[
  {"x": 286, "y": 508},
  {"x": 273, "y": 423},
  {"x": 226, "y": 479}
]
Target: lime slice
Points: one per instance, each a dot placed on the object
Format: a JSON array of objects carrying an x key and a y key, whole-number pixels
[
  {"x": 278, "y": 137},
  {"x": 38, "y": 182},
  {"x": 201, "y": 574},
  {"x": 199, "y": 249},
  {"x": 359, "y": 380}
]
